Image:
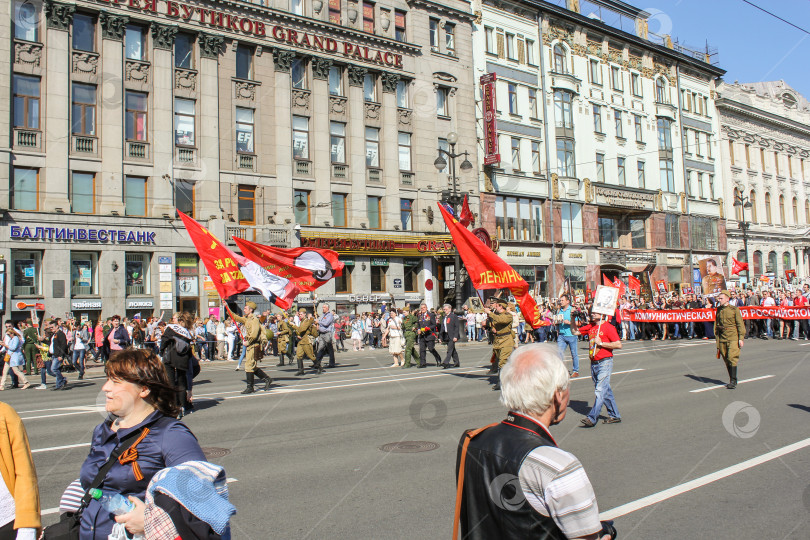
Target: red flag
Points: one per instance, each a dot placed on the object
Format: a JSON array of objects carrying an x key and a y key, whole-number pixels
[
  {"x": 466, "y": 216},
  {"x": 308, "y": 268},
  {"x": 606, "y": 282},
  {"x": 635, "y": 284},
  {"x": 232, "y": 273},
  {"x": 737, "y": 266},
  {"x": 620, "y": 284},
  {"x": 488, "y": 271}
]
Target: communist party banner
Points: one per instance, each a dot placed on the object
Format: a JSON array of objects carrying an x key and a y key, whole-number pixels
[
  {"x": 707, "y": 315},
  {"x": 234, "y": 274},
  {"x": 488, "y": 271},
  {"x": 308, "y": 268}
]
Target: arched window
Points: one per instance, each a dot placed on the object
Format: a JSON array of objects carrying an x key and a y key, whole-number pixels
[
  {"x": 660, "y": 90},
  {"x": 771, "y": 262},
  {"x": 795, "y": 211},
  {"x": 786, "y": 260},
  {"x": 782, "y": 210},
  {"x": 738, "y": 209},
  {"x": 560, "y": 61},
  {"x": 741, "y": 256},
  {"x": 757, "y": 262},
  {"x": 768, "y": 217},
  {"x": 753, "y": 198}
]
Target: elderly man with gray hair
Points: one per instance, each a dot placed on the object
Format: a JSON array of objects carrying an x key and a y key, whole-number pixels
[{"x": 513, "y": 481}]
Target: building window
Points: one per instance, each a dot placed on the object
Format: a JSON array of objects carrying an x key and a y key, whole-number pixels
[
  {"x": 621, "y": 171},
  {"x": 709, "y": 146},
  {"x": 768, "y": 217},
  {"x": 335, "y": 81},
  {"x": 513, "y": 104},
  {"x": 374, "y": 209},
  {"x": 83, "y": 273},
  {"x": 378, "y": 278},
  {"x": 300, "y": 125},
  {"x": 337, "y": 141},
  {"x": 339, "y": 209},
  {"x": 489, "y": 40},
  {"x": 135, "y": 196},
  {"x": 795, "y": 211},
  {"x": 450, "y": 37},
  {"x": 672, "y": 231},
  {"x": 184, "y": 51},
  {"x": 731, "y": 152},
  {"x": 757, "y": 262},
  {"x": 183, "y": 122},
  {"x": 533, "y": 103},
  {"x": 638, "y": 235},
  {"x": 137, "y": 273},
  {"x": 411, "y": 274},
  {"x": 510, "y": 47},
  {"x": 334, "y": 12},
  {"x": 441, "y": 102},
  {"x": 617, "y": 118},
  {"x": 565, "y": 158},
  {"x": 82, "y": 193},
  {"x": 301, "y": 204},
  {"x": 399, "y": 26},
  {"x": 297, "y": 7},
  {"x": 402, "y": 94},
  {"x": 642, "y": 177},
  {"x": 661, "y": 91},
  {"x": 244, "y": 62},
  {"x": 515, "y": 154},
  {"x": 704, "y": 233},
  {"x": 686, "y": 147},
  {"x": 786, "y": 260},
  {"x": 597, "y": 119},
  {"x": 711, "y": 186},
  {"x": 530, "y": 52},
  {"x": 518, "y": 219},
  {"x": 26, "y": 20},
  {"x": 616, "y": 79},
  {"x": 560, "y": 61},
  {"x": 368, "y": 17},
  {"x": 608, "y": 232},
  {"x": 343, "y": 284},
  {"x": 571, "y": 222},
  {"x": 404, "y": 151},
  {"x": 753, "y": 198},
  {"x": 667, "y": 175},
  {"x": 434, "y": 34},
  {"x": 665, "y": 134},
  {"x": 298, "y": 73},
  {"x": 595, "y": 72},
  {"x": 84, "y": 32},
  {"x": 26, "y": 102},
  {"x": 535, "y": 157},
  {"x": 247, "y": 205},
  {"x": 782, "y": 220},
  {"x": 563, "y": 112},
  {"x": 406, "y": 214},
  {"x": 698, "y": 146},
  {"x": 184, "y": 196},
  {"x": 27, "y": 277},
  {"x": 25, "y": 189},
  {"x": 84, "y": 109},
  {"x": 635, "y": 84},
  {"x": 370, "y": 87},
  {"x": 136, "y": 105},
  {"x": 639, "y": 131},
  {"x": 244, "y": 130},
  {"x": 700, "y": 185},
  {"x": 135, "y": 42},
  {"x": 372, "y": 148},
  {"x": 444, "y": 145},
  {"x": 771, "y": 262},
  {"x": 600, "y": 167}
]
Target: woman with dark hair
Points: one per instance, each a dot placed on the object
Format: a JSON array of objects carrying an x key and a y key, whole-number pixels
[
  {"x": 116, "y": 338},
  {"x": 142, "y": 407},
  {"x": 175, "y": 349}
]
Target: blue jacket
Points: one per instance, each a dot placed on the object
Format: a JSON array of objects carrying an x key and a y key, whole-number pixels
[
  {"x": 14, "y": 350},
  {"x": 168, "y": 443}
]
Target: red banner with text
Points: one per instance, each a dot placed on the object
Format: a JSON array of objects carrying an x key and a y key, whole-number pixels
[{"x": 707, "y": 315}]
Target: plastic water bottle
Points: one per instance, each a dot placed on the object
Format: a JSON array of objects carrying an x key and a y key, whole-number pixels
[{"x": 115, "y": 503}]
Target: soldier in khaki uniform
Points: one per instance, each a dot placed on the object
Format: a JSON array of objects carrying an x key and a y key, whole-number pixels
[
  {"x": 500, "y": 320},
  {"x": 304, "y": 331},
  {"x": 283, "y": 335},
  {"x": 410, "y": 326},
  {"x": 253, "y": 343},
  {"x": 729, "y": 330}
]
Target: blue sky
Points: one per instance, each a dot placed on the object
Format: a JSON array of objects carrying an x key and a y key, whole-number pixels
[{"x": 752, "y": 45}]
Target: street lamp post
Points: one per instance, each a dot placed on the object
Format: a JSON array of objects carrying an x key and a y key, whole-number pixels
[
  {"x": 742, "y": 201},
  {"x": 453, "y": 198}
]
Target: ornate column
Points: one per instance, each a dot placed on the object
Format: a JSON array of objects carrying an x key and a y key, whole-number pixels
[
  {"x": 319, "y": 123},
  {"x": 282, "y": 60},
  {"x": 162, "y": 100}
]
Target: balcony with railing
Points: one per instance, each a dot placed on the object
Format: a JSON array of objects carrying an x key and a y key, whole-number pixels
[
  {"x": 303, "y": 167},
  {"x": 374, "y": 176},
  {"x": 185, "y": 155},
  {"x": 247, "y": 161},
  {"x": 272, "y": 236},
  {"x": 138, "y": 150},
  {"x": 30, "y": 139},
  {"x": 84, "y": 144},
  {"x": 340, "y": 172},
  {"x": 406, "y": 178}
]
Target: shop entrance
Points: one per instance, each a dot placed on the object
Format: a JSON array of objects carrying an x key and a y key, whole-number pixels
[{"x": 188, "y": 304}]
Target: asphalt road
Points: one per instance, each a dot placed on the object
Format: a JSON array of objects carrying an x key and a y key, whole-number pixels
[{"x": 688, "y": 461}]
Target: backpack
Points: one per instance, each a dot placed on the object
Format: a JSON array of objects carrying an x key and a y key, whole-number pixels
[{"x": 263, "y": 337}]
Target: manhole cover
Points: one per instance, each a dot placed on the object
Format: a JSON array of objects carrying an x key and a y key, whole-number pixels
[
  {"x": 212, "y": 452},
  {"x": 409, "y": 447}
]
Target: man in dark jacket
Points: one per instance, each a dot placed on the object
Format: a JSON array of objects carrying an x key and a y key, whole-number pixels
[
  {"x": 427, "y": 336},
  {"x": 449, "y": 327},
  {"x": 58, "y": 349}
]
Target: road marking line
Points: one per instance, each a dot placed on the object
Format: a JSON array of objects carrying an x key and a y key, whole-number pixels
[
  {"x": 702, "y": 481},
  {"x": 55, "y": 415},
  {"x": 716, "y": 386},
  {"x": 52, "y": 448}
]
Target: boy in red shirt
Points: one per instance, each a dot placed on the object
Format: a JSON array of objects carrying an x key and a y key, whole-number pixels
[{"x": 603, "y": 339}]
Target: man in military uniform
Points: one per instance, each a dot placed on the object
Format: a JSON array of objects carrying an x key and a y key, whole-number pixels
[
  {"x": 410, "y": 326},
  {"x": 30, "y": 338},
  {"x": 500, "y": 320},
  {"x": 283, "y": 335},
  {"x": 304, "y": 332},
  {"x": 253, "y": 347},
  {"x": 729, "y": 330}
]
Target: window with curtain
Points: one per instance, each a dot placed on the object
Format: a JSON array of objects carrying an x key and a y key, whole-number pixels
[
  {"x": 26, "y": 101},
  {"x": 335, "y": 81},
  {"x": 135, "y": 42},
  {"x": 26, "y": 20},
  {"x": 372, "y": 147},
  {"x": 753, "y": 198}
]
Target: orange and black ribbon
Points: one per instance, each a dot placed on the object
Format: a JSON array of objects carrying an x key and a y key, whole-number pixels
[{"x": 130, "y": 455}]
